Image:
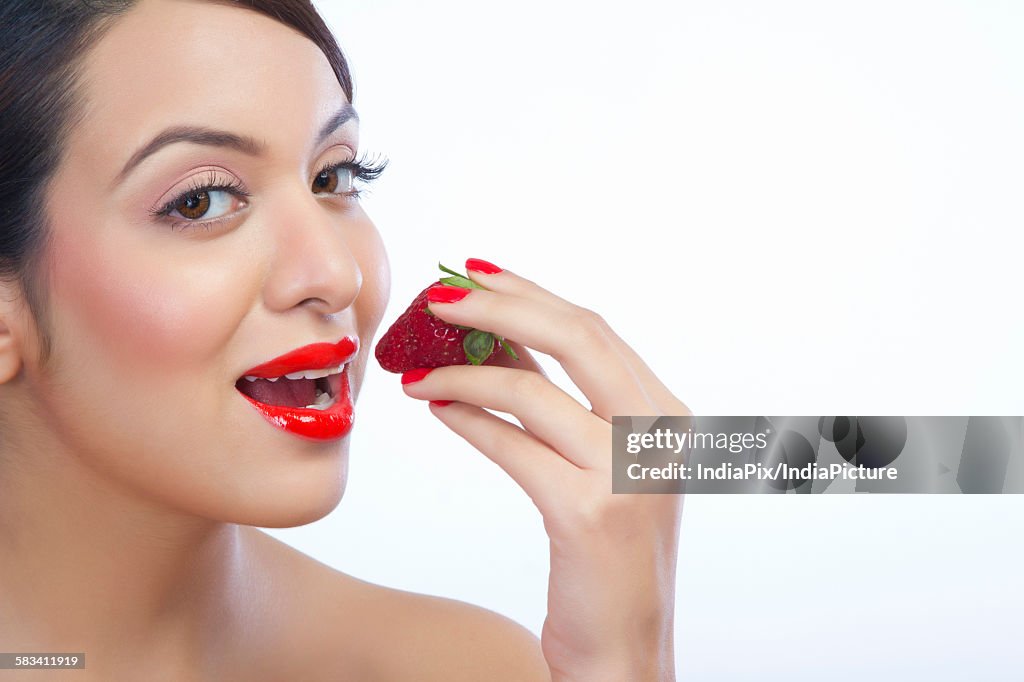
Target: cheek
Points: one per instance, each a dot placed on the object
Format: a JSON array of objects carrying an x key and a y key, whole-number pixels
[
  {"x": 146, "y": 312},
  {"x": 138, "y": 389},
  {"x": 373, "y": 295},
  {"x": 376, "y": 289}
]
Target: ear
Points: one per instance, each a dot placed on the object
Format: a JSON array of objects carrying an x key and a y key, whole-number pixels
[{"x": 10, "y": 316}]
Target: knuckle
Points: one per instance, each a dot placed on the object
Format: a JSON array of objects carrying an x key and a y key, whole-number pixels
[
  {"x": 587, "y": 327},
  {"x": 524, "y": 384}
]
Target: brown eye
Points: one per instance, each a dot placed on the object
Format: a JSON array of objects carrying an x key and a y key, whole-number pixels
[
  {"x": 194, "y": 206},
  {"x": 327, "y": 181},
  {"x": 204, "y": 203},
  {"x": 333, "y": 179}
]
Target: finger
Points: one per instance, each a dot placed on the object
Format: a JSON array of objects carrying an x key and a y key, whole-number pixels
[
  {"x": 530, "y": 463},
  {"x": 659, "y": 394},
  {"x": 545, "y": 411},
  {"x": 578, "y": 341},
  {"x": 508, "y": 282}
]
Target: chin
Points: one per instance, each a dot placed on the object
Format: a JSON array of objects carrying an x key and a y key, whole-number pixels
[
  {"x": 290, "y": 516},
  {"x": 296, "y": 496}
]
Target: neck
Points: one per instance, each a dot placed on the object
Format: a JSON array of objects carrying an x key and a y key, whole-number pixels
[{"x": 85, "y": 564}]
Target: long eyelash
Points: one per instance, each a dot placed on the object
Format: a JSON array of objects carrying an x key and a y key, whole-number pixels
[
  {"x": 200, "y": 186},
  {"x": 364, "y": 168}
]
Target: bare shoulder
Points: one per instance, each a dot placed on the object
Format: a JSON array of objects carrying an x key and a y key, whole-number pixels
[
  {"x": 446, "y": 639},
  {"x": 377, "y": 633}
]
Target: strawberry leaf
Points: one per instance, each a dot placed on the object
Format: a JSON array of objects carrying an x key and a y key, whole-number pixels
[
  {"x": 460, "y": 281},
  {"x": 478, "y": 346},
  {"x": 457, "y": 279},
  {"x": 508, "y": 349},
  {"x": 450, "y": 271}
]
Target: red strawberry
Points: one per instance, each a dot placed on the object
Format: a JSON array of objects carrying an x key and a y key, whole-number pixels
[{"x": 418, "y": 338}]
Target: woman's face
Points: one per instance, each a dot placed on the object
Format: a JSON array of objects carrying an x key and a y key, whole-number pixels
[{"x": 155, "y": 318}]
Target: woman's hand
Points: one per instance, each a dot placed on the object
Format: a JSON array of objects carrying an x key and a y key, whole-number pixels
[{"x": 611, "y": 589}]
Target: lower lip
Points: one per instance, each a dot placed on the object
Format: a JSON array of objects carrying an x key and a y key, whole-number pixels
[{"x": 330, "y": 424}]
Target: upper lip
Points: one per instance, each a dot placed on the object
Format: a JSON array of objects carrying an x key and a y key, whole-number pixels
[{"x": 313, "y": 356}]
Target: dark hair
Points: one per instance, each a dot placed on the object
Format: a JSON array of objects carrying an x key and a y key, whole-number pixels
[{"x": 42, "y": 45}]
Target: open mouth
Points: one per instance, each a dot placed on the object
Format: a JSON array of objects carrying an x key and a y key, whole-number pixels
[
  {"x": 314, "y": 389},
  {"x": 305, "y": 391}
]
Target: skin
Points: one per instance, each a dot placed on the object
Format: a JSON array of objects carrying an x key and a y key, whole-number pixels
[
  {"x": 131, "y": 471},
  {"x": 613, "y": 557}
]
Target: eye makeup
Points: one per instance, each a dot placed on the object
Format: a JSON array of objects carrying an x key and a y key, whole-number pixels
[
  {"x": 362, "y": 168},
  {"x": 197, "y": 196}
]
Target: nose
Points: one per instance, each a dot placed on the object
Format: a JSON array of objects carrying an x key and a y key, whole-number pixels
[{"x": 312, "y": 264}]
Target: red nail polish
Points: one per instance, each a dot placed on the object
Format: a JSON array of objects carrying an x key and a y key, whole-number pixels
[
  {"x": 477, "y": 265},
  {"x": 443, "y": 293},
  {"x": 440, "y": 403},
  {"x": 414, "y": 375}
]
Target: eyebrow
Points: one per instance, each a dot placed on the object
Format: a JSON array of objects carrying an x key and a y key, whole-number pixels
[{"x": 222, "y": 138}]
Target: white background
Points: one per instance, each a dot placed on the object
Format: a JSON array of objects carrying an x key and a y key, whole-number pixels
[{"x": 785, "y": 208}]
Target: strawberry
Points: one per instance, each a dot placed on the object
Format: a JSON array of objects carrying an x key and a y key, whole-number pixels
[{"x": 418, "y": 338}]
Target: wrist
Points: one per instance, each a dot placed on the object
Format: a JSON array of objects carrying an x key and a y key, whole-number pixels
[
  {"x": 639, "y": 663},
  {"x": 651, "y": 670}
]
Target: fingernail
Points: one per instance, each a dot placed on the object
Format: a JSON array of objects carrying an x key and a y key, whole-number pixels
[
  {"x": 440, "y": 403},
  {"x": 444, "y": 293},
  {"x": 477, "y": 265},
  {"x": 414, "y": 375}
]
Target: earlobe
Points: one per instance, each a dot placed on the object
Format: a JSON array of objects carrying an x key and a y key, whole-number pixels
[{"x": 10, "y": 352}]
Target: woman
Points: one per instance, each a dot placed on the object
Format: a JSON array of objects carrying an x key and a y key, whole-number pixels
[{"x": 179, "y": 211}]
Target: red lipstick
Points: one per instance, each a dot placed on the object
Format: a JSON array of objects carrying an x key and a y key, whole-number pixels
[
  {"x": 313, "y": 356},
  {"x": 267, "y": 387}
]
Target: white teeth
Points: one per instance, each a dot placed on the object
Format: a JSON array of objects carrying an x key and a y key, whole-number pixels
[
  {"x": 314, "y": 373},
  {"x": 306, "y": 374},
  {"x": 323, "y": 401}
]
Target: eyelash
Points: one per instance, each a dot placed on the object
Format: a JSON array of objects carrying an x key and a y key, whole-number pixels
[{"x": 363, "y": 168}]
